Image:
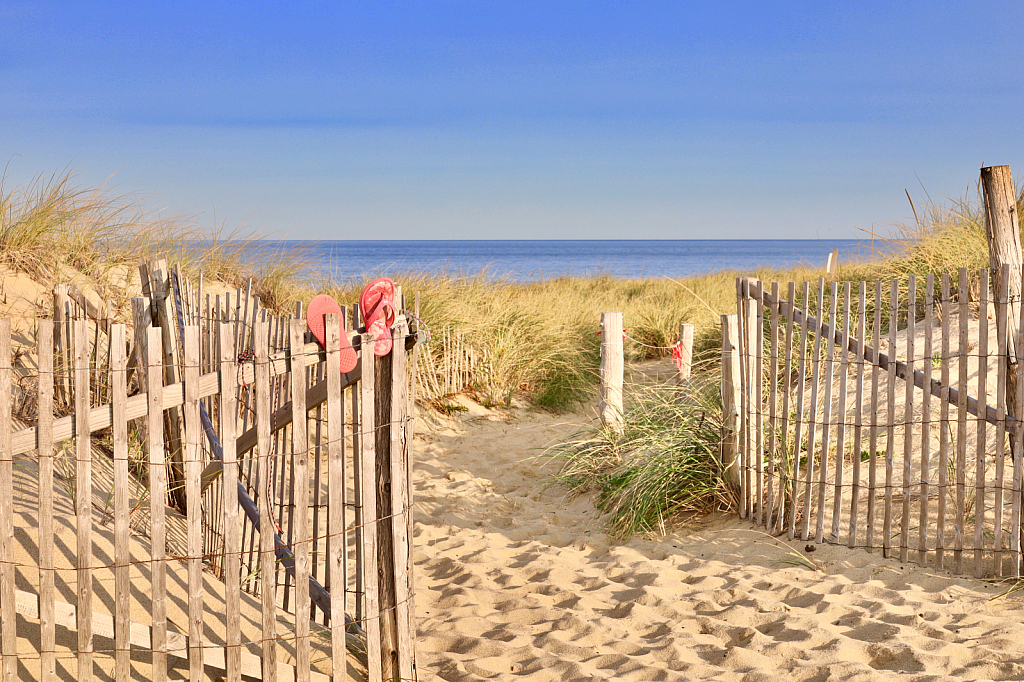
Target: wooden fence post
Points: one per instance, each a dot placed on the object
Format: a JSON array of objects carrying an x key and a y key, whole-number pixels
[
  {"x": 1004, "y": 249},
  {"x": 686, "y": 349},
  {"x": 730, "y": 398},
  {"x": 610, "y": 405},
  {"x": 1001, "y": 228}
]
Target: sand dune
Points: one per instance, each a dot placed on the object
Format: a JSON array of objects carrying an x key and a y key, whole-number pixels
[{"x": 515, "y": 582}]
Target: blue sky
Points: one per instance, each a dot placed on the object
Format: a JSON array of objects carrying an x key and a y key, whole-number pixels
[{"x": 476, "y": 120}]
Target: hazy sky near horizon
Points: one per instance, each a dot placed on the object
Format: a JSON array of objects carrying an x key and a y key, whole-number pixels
[{"x": 534, "y": 120}]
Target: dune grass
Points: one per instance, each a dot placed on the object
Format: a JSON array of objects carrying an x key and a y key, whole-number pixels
[
  {"x": 56, "y": 230},
  {"x": 660, "y": 468}
]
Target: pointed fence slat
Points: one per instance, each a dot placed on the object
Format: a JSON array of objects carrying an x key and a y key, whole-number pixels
[
  {"x": 8, "y": 618},
  {"x": 908, "y": 419},
  {"x": 926, "y": 422},
  {"x": 982, "y": 445},
  {"x": 961, "y": 423},
  {"x": 858, "y": 417},
  {"x": 47, "y": 638},
  {"x": 83, "y": 499}
]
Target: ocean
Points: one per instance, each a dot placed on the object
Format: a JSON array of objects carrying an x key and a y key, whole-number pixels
[{"x": 526, "y": 260}]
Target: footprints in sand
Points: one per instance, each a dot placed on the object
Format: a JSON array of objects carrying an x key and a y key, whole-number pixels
[{"x": 521, "y": 585}]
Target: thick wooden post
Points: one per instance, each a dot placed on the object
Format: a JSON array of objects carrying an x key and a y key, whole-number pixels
[
  {"x": 730, "y": 398},
  {"x": 1001, "y": 227},
  {"x": 686, "y": 349},
  {"x": 610, "y": 405}
]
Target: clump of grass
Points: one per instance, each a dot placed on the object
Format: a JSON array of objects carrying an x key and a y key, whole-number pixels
[
  {"x": 662, "y": 466},
  {"x": 56, "y": 230}
]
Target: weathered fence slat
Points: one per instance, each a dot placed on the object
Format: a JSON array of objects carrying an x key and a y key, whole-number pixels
[
  {"x": 926, "y": 422},
  {"x": 193, "y": 485},
  {"x": 1000, "y": 451},
  {"x": 230, "y": 509},
  {"x": 268, "y": 587},
  {"x": 368, "y": 515},
  {"x": 122, "y": 554},
  {"x": 876, "y": 330},
  {"x": 812, "y": 414},
  {"x": 961, "y": 422},
  {"x": 47, "y": 640},
  {"x": 787, "y": 456},
  {"x": 801, "y": 388},
  {"x": 826, "y": 423},
  {"x": 83, "y": 499},
  {"x": 153, "y": 356},
  {"x": 858, "y": 417},
  {"x": 890, "y": 442},
  {"x": 844, "y": 370},
  {"x": 300, "y": 453},
  {"x": 908, "y": 419},
  {"x": 980, "y": 466},
  {"x": 8, "y": 618},
  {"x": 944, "y": 436},
  {"x": 773, "y": 420}
]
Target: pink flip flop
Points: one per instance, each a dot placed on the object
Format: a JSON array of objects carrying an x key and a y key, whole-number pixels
[
  {"x": 316, "y": 313},
  {"x": 376, "y": 304}
]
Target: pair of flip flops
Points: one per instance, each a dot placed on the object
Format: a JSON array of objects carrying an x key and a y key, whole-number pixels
[{"x": 378, "y": 311}]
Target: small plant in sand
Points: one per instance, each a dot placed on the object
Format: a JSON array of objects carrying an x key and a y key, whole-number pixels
[{"x": 663, "y": 465}]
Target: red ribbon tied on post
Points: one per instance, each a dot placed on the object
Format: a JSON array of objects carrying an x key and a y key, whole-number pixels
[{"x": 677, "y": 355}]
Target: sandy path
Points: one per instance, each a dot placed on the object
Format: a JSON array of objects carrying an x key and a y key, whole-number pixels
[{"x": 517, "y": 583}]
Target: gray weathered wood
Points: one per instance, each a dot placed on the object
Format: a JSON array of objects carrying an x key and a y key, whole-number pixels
[
  {"x": 300, "y": 452},
  {"x": 773, "y": 420},
  {"x": 44, "y": 401},
  {"x": 8, "y": 618},
  {"x": 890, "y": 443},
  {"x": 944, "y": 401},
  {"x": 801, "y": 388},
  {"x": 335, "y": 487},
  {"x": 858, "y": 418},
  {"x": 785, "y": 452},
  {"x": 230, "y": 509},
  {"x": 268, "y": 588},
  {"x": 908, "y": 420},
  {"x": 153, "y": 357},
  {"x": 742, "y": 460},
  {"x": 756, "y": 374},
  {"x": 83, "y": 500},
  {"x": 368, "y": 518},
  {"x": 812, "y": 415},
  {"x": 610, "y": 405},
  {"x": 826, "y": 421},
  {"x": 876, "y": 331},
  {"x": 961, "y": 423},
  {"x": 164, "y": 317},
  {"x": 1018, "y": 461},
  {"x": 122, "y": 554},
  {"x": 400, "y": 507},
  {"x": 844, "y": 371},
  {"x": 193, "y": 461},
  {"x": 1002, "y": 366},
  {"x": 926, "y": 421},
  {"x": 999, "y": 198},
  {"x": 980, "y": 466}
]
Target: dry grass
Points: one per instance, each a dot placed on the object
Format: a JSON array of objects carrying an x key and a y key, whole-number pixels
[{"x": 55, "y": 230}]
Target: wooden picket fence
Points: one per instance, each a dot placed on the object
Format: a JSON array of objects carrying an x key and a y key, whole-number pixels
[
  {"x": 215, "y": 443},
  {"x": 875, "y": 415}
]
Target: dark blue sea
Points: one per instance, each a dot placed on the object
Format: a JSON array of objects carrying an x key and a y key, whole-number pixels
[{"x": 526, "y": 260}]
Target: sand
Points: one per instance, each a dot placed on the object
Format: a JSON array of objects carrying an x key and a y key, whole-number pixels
[{"x": 517, "y": 582}]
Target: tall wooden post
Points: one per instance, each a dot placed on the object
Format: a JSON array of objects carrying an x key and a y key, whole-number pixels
[
  {"x": 1004, "y": 250},
  {"x": 1003, "y": 232},
  {"x": 730, "y": 398},
  {"x": 686, "y": 348},
  {"x": 610, "y": 405}
]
